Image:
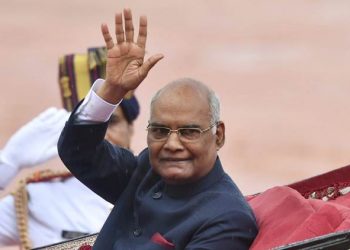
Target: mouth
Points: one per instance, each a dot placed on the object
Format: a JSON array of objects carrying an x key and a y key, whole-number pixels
[{"x": 174, "y": 160}]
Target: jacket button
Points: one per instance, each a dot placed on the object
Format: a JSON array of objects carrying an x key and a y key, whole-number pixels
[
  {"x": 137, "y": 232},
  {"x": 157, "y": 195}
]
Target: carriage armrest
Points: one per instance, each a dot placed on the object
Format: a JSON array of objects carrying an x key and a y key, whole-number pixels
[{"x": 81, "y": 243}]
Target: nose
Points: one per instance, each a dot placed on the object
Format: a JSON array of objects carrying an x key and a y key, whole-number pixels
[{"x": 173, "y": 142}]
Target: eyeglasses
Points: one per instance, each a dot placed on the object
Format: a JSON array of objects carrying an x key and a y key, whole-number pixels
[{"x": 158, "y": 133}]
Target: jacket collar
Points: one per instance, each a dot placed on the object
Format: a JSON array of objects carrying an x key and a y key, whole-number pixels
[{"x": 199, "y": 186}]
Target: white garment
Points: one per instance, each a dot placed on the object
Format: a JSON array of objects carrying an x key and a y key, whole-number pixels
[
  {"x": 54, "y": 206},
  {"x": 94, "y": 108},
  {"x": 32, "y": 144}
]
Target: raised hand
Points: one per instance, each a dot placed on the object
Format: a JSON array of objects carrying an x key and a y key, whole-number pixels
[{"x": 125, "y": 68}]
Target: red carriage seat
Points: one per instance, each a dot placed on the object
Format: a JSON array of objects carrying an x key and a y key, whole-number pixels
[{"x": 310, "y": 208}]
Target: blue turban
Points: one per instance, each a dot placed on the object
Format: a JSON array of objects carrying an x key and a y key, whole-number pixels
[{"x": 131, "y": 108}]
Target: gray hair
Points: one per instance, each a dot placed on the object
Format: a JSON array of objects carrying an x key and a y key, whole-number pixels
[{"x": 213, "y": 99}]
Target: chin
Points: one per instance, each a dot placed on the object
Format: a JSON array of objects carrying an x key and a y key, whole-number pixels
[{"x": 174, "y": 178}]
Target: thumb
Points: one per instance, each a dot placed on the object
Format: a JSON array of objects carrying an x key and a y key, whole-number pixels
[{"x": 147, "y": 65}]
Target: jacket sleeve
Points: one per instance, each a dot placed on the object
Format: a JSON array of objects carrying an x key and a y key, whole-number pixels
[
  {"x": 231, "y": 230},
  {"x": 102, "y": 167}
]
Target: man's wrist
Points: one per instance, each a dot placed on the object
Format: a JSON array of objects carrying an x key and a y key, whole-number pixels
[
  {"x": 94, "y": 108},
  {"x": 111, "y": 93}
]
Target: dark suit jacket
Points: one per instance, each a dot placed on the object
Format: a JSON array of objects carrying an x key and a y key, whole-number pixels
[{"x": 149, "y": 214}]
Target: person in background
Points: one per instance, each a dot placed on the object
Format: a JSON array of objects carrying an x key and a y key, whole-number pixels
[
  {"x": 175, "y": 193},
  {"x": 53, "y": 206}
]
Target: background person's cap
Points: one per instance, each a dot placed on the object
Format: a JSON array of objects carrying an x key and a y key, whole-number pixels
[{"x": 77, "y": 73}]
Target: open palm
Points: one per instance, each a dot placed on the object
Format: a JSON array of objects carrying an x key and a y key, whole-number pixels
[{"x": 126, "y": 68}]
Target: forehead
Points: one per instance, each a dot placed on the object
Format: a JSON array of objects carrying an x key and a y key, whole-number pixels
[{"x": 181, "y": 104}]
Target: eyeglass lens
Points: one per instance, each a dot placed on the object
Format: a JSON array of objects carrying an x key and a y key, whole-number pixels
[{"x": 162, "y": 133}]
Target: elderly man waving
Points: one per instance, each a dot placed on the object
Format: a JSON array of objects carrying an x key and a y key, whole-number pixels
[{"x": 174, "y": 194}]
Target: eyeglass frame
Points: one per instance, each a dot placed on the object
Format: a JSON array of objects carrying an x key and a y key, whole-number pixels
[{"x": 201, "y": 131}]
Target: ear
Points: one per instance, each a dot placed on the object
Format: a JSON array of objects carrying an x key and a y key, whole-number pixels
[{"x": 220, "y": 135}]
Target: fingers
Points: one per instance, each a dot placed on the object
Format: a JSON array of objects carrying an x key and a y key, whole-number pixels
[
  {"x": 119, "y": 31},
  {"x": 148, "y": 65},
  {"x": 129, "y": 27},
  {"x": 107, "y": 36},
  {"x": 127, "y": 34},
  {"x": 141, "y": 40}
]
